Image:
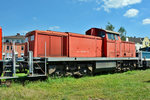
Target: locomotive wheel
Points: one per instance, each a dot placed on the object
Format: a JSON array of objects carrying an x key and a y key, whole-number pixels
[{"x": 90, "y": 70}]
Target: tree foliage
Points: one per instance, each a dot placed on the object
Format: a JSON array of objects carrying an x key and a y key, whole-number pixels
[
  {"x": 122, "y": 32},
  {"x": 110, "y": 27}
]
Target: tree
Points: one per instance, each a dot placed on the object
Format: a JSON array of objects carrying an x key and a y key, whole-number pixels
[
  {"x": 110, "y": 27},
  {"x": 122, "y": 32}
]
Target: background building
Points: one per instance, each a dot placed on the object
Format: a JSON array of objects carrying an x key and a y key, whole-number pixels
[
  {"x": 8, "y": 45},
  {"x": 145, "y": 42},
  {"x": 140, "y": 42}
]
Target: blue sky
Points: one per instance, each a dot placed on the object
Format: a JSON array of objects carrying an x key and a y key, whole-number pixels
[{"x": 21, "y": 16}]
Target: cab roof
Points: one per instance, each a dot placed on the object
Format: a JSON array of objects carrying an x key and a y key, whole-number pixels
[{"x": 108, "y": 31}]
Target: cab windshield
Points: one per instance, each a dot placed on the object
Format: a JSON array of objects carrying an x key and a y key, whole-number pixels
[
  {"x": 101, "y": 34},
  {"x": 111, "y": 36}
]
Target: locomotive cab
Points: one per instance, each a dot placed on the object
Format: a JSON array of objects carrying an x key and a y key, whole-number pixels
[
  {"x": 111, "y": 41},
  {"x": 112, "y": 44}
]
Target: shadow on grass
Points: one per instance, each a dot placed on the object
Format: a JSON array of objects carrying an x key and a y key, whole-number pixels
[
  {"x": 147, "y": 81},
  {"x": 25, "y": 80},
  {"x": 21, "y": 80}
]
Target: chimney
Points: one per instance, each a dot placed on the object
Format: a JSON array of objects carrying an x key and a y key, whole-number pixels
[
  {"x": 127, "y": 39},
  {"x": 18, "y": 34}
]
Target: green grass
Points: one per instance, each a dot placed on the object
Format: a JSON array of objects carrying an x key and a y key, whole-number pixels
[
  {"x": 21, "y": 74},
  {"x": 132, "y": 85}
]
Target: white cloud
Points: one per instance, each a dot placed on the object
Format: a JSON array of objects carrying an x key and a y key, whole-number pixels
[
  {"x": 54, "y": 27},
  {"x": 131, "y": 13},
  {"x": 99, "y": 1},
  {"x": 146, "y": 21},
  {"x": 108, "y": 4}
]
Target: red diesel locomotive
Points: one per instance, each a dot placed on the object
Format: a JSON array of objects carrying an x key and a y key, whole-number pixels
[
  {"x": 96, "y": 43},
  {"x": 68, "y": 53}
]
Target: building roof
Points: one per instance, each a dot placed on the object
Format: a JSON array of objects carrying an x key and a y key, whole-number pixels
[
  {"x": 136, "y": 40},
  {"x": 18, "y": 36}
]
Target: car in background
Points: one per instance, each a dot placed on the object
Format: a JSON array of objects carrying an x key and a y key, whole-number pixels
[
  {"x": 20, "y": 59},
  {"x": 8, "y": 59}
]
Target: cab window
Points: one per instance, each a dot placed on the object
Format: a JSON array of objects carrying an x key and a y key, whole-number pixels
[
  {"x": 111, "y": 36},
  {"x": 116, "y": 36},
  {"x": 26, "y": 39},
  {"x": 32, "y": 37},
  {"x": 101, "y": 34}
]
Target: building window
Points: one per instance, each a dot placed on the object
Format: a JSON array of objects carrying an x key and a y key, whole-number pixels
[
  {"x": 7, "y": 47},
  {"x": 11, "y": 47},
  {"x": 13, "y": 41},
  {"x": 22, "y": 48},
  {"x": 18, "y": 41},
  {"x": 7, "y": 40},
  {"x": 22, "y": 41},
  {"x": 146, "y": 43}
]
